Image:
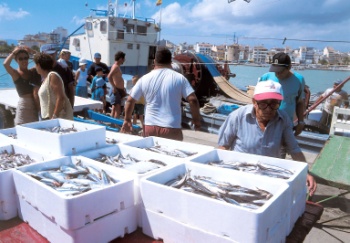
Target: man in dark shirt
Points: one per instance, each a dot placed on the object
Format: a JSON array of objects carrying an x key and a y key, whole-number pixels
[
  {"x": 65, "y": 73},
  {"x": 96, "y": 64}
]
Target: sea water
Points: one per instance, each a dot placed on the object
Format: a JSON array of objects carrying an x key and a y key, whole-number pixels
[{"x": 317, "y": 80}]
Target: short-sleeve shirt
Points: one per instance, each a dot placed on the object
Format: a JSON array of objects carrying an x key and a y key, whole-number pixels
[
  {"x": 292, "y": 91},
  {"x": 241, "y": 132},
  {"x": 163, "y": 90}
]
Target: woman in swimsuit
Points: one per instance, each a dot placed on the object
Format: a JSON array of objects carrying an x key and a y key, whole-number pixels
[{"x": 27, "y": 83}]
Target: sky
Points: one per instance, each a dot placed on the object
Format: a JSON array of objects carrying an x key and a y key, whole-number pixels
[{"x": 312, "y": 23}]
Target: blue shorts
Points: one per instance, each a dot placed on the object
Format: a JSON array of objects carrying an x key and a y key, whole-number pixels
[{"x": 98, "y": 94}]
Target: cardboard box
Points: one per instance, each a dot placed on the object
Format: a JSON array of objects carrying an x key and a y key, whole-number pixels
[
  {"x": 87, "y": 137},
  {"x": 74, "y": 212},
  {"x": 218, "y": 217}
]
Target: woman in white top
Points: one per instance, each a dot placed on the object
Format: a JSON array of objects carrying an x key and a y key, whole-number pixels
[
  {"x": 53, "y": 101},
  {"x": 80, "y": 79}
]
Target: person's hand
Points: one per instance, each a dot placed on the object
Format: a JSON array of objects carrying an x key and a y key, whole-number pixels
[
  {"x": 127, "y": 127},
  {"x": 311, "y": 183},
  {"x": 299, "y": 128}
]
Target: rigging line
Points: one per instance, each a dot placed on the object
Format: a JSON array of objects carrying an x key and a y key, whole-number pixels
[{"x": 292, "y": 39}]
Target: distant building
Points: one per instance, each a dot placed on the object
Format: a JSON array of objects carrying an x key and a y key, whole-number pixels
[
  {"x": 259, "y": 54},
  {"x": 57, "y": 36},
  {"x": 203, "y": 48}
]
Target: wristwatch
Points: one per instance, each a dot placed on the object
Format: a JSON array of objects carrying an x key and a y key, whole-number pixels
[{"x": 301, "y": 123}]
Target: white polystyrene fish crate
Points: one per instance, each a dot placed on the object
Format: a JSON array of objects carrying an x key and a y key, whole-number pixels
[
  {"x": 8, "y": 201},
  {"x": 137, "y": 167},
  {"x": 104, "y": 229},
  {"x": 73, "y": 212},
  {"x": 119, "y": 138},
  {"x": 214, "y": 216},
  {"x": 297, "y": 181},
  {"x": 158, "y": 226},
  {"x": 9, "y": 133},
  {"x": 170, "y": 144},
  {"x": 88, "y": 136}
]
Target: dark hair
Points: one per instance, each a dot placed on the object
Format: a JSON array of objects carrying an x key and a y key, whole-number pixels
[
  {"x": 119, "y": 55},
  {"x": 163, "y": 56},
  {"x": 45, "y": 61},
  {"x": 19, "y": 52}
]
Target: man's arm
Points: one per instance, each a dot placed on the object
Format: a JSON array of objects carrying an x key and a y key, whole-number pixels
[
  {"x": 300, "y": 109},
  {"x": 310, "y": 180},
  {"x": 111, "y": 78},
  {"x": 129, "y": 107},
  {"x": 194, "y": 106}
]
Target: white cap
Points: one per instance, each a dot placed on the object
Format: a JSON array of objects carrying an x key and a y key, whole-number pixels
[
  {"x": 82, "y": 61},
  {"x": 266, "y": 90}
]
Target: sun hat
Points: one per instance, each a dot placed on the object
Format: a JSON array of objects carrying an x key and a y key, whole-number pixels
[
  {"x": 82, "y": 61},
  {"x": 280, "y": 61},
  {"x": 64, "y": 51},
  {"x": 48, "y": 49},
  {"x": 266, "y": 90},
  {"x": 97, "y": 55}
]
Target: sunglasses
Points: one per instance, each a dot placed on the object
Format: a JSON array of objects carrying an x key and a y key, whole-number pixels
[
  {"x": 272, "y": 105},
  {"x": 23, "y": 58}
]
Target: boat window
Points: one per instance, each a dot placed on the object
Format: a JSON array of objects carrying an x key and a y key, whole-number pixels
[
  {"x": 129, "y": 28},
  {"x": 130, "y": 46},
  {"x": 141, "y": 30},
  {"x": 120, "y": 34},
  {"x": 76, "y": 42},
  {"x": 138, "y": 46},
  {"x": 88, "y": 25},
  {"x": 103, "y": 26}
]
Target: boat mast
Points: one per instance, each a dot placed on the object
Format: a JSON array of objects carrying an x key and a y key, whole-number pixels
[{"x": 133, "y": 9}]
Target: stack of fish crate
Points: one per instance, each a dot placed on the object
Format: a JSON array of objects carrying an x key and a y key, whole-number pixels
[
  {"x": 8, "y": 198},
  {"x": 98, "y": 215},
  {"x": 179, "y": 215},
  {"x": 297, "y": 181},
  {"x": 59, "y": 218}
]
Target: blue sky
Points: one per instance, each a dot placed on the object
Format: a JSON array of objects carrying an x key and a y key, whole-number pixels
[{"x": 209, "y": 21}]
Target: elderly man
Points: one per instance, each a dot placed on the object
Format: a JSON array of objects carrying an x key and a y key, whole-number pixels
[{"x": 260, "y": 128}]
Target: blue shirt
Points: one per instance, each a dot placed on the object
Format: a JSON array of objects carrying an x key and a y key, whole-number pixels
[
  {"x": 292, "y": 91},
  {"x": 241, "y": 132}
]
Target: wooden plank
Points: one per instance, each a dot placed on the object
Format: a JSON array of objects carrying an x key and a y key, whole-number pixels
[{"x": 333, "y": 163}]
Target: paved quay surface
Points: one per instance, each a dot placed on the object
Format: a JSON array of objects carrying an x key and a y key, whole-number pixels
[{"x": 334, "y": 225}]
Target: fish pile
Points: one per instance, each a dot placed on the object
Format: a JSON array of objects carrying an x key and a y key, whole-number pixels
[
  {"x": 60, "y": 130},
  {"x": 13, "y": 160},
  {"x": 130, "y": 163},
  {"x": 111, "y": 140},
  {"x": 220, "y": 190},
  {"x": 257, "y": 168},
  {"x": 74, "y": 179},
  {"x": 160, "y": 149},
  {"x": 12, "y": 135}
]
